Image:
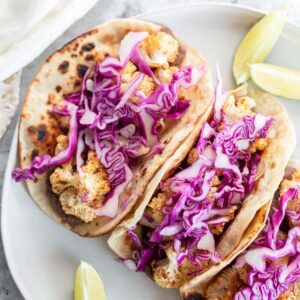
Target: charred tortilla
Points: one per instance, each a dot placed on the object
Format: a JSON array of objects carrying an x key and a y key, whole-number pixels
[
  {"x": 251, "y": 216},
  {"x": 60, "y": 76}
]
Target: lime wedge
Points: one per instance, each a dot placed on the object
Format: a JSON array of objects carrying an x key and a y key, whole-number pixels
[
  {"x": 88, "y": 284},
  {"x": 258, "y": 43},
  {"x": 276, "y": 80}
]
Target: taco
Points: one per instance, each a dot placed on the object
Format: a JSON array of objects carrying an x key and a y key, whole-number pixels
[
  {"x": 270, "y": 267},
  {"x": 102, "y": 115},
  {"x": 198, "y": 215}
]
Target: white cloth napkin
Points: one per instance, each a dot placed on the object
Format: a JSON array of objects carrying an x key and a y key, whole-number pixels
[{"x": 27, "y": 27}]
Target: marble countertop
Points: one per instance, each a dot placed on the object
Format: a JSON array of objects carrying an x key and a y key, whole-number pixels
[{"x": 104, "y": 10}]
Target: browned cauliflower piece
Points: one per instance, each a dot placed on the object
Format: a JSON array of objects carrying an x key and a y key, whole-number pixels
[
  {"x": 63, "y": 178},
  {"x": 128, "y": 71},
  {"x": 285, "y": 185},
  {"x": 193, "y": 156},
  {"x": 260, "y": 144},
  {"x": 245, "y": 105},
  {"x": 236, "y": 109},
  {"x": 168, "y": 274},
  {"x": 159, "y": 49},
  {"x": 296, "y": 176},
  {"x": 72, "y": 189},
  {"x": 165, "y": 75},
  {"x": 218, "y": 229},
  {"x": 95, "y": 179},
  {"x": 214, "y": 186},
  {"x": 156, "y": 206},
  {"x": 147, "y": 85},
  {"x": 62, "y": 143},
  {"x": 72, "y": 204},
  {"x": 291, "y": 181},
  {"x": 224, "y": 286}
]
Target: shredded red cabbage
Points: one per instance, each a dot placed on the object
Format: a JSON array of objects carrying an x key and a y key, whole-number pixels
[
  {"x": 266, "y": 279},
  {"x": 103, "y": 119},
  {"x": 191, "y": 208}
]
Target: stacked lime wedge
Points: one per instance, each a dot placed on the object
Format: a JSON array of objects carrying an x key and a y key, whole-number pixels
[
  {"x": 276, "y": 80},
  {"x": 258, "y": 43}
]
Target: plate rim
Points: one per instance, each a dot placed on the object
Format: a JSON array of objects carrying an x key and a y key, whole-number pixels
[
  {"x": 14, "y": 144},
  {"x": 216, "y": 3}
]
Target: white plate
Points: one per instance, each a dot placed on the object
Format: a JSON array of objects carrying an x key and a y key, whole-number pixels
[{"x": 42, "y": 255}]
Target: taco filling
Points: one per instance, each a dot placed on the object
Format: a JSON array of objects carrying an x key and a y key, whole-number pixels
[
  {"x": 114, "y": 120},
  {"x": 178, "y": 234},
  {"x": 270, "y": 268}
]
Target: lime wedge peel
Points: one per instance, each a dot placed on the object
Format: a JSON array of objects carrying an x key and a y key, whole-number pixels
[
  {"x": 258, "y": 43},
  {"x": 88, "y": 284},
  {"x": 276, "y": 80}
]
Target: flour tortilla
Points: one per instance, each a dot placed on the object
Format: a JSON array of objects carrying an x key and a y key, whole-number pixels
[
  {"x": 252, "y": 215},
  {"x": 60, "y": 75},
  {"x": 198, "y": 288}
]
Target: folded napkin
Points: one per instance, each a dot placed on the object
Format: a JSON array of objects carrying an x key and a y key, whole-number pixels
[{"x": 27, "y": 28}]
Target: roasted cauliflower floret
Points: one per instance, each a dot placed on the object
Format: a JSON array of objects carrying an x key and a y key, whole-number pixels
[
  {"x": 236, "y": 109},
  {"x": 62, "y": 143},
  {"x": 245, "y": 105},
  {"x": 219, "y": 228},
  {"x": 193, "y": 156},
  {"x": 128, "y": 71},
  {"x": 156, "y": 205},
  {"x": 296, "y": 176},
  {"x": 224, "y": 286},
  {"x": 168, "y": 274},
  {"x": 260, "y": 144},
  {"x": 285, "y": 185},
  {"x": 213, "y": 188},
  {"x": 80, "y": 195},
  {"x": 147, "y": 85},
  {"x": 159, "y": 49},
  {"x": 292, "y": 180},
  {"x": 165, "y": 75},
  {"x": 64, "y": 177},
  {"x": 72, "y": 204},
  {"x": 95, "y": 181}
]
